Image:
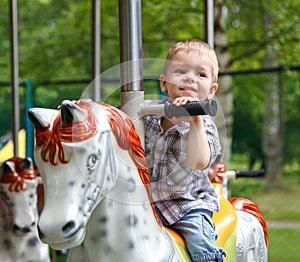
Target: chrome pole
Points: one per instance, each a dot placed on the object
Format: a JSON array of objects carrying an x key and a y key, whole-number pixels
[
  {"x": 130, "y": 44},
  {"x": 96, "y": 17},
  {"x": 131, "y": 71},
  {"x": 15, "y": 73},
  {"x": 209, "y": 22}
]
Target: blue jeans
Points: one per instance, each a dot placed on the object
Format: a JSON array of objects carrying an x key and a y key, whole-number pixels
[{"x": 199, "y": 234}]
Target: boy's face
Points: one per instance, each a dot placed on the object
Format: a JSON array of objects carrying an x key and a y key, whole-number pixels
[{"x": 188, "y": 76}]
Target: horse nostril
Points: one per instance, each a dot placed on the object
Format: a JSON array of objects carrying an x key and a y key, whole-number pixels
[
  {"x": 16, "y": 227},
  {"x": 68, "y": 227},
  {"x": 26, "y": 230},
  {"x": 41, "y": 235},
  {"x": 19, "y": 229}
]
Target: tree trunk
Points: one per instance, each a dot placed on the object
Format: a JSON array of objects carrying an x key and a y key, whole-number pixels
[
  {"x": 272, "y": 125},
  {"x": 224, "y": 118}
]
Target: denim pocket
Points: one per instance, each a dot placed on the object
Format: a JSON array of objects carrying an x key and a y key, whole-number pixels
[{"x": 208, "y": 227}]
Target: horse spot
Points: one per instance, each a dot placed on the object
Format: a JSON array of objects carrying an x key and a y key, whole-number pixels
[
  {"x": 31, "y": 195},
  {"x": 131, "y": 220},
  {"x": 146, "y": 237},
  {"x": 32, "y": 242},
  {"x": 99, "y": 234},
  {"x": 107, "y": 250},
  {"x": 83, "y": 186},
  {"x": 7, "y": 244},
  {"x": 71, "y": 183},
  {"x": 103, "y": 219},
  {"x": 131, "y": 185},
  {"x": 146, "y": 206},
  {"x": 23, "y": 255},
  {"x": 103, "y": 233},
  {"x": 82, "y": 150},
  {"x": 131, "y": 244}
]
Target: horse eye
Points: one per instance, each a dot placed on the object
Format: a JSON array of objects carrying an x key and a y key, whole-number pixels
[{"x": 91, "y": 161}]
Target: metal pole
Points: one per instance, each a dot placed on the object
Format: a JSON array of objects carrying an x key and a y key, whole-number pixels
[
  {"x": 130, "y": 44},
  {"x": 209, "y": 22},
  {"x": 15, "y": 72},
  {"x": 96, "y": 17},
  {"x": 131, "y": 71}
]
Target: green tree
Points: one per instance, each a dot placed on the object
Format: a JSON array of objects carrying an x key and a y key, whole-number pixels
[{"x": 250, "y": 45}]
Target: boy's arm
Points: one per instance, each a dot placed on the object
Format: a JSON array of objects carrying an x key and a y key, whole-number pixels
[
  {"x": 198, "y": 150},
  {"x": 198, "y": 153}
]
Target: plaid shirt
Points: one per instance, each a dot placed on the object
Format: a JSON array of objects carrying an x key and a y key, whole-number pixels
[{"x": 176, "y": 188}]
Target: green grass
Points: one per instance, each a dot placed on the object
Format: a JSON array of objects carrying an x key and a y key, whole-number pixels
[
  {"x": 284, "y": 245},
  {"x": 279, "y": 204}
]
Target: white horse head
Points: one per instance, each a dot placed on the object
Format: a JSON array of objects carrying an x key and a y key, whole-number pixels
[
  {"x": 18, "y": 193},
  {"x": 19, "y": 213},
  {"x": 76, "y": 158},
  {"x": 97, "y": 193}
]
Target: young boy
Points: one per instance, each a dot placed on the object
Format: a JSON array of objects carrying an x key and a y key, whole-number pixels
[{"x": 180, "y": 150}]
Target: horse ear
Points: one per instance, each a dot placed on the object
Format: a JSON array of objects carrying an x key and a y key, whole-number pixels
[
  {"x": 7, "y": 167},
  {"x": 71, "y": 113},
  {"x": 25, "y": 163},
  {"x": 41, "y": 117}
]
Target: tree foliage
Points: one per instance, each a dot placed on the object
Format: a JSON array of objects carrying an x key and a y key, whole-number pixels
[{"x": 56, "y": 44}]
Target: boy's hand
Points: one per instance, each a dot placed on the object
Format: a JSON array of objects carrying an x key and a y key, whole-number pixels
[{"x": 181, "y": 101}]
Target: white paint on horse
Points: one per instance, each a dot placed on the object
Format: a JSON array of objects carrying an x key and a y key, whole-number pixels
[
  {"x": 19, "y": 239},
  {"x": 250, "y": 246},
  {"x": 96, "y": 205}
]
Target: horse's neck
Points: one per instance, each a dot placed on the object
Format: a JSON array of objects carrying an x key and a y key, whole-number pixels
[
  {"x": 129, "y": 194},
  {"x": 5, "y": 216},
  {"x": 123, "y": 225}
]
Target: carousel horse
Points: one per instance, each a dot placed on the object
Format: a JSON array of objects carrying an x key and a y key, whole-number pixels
[
  {"x": 19, "y": 239},
  {"x": 97, "y": 189}
]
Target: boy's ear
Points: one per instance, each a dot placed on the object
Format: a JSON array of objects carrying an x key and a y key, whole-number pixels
[
  {"x": 213, "y": 90},
  {"x": 162, "y": 82}
]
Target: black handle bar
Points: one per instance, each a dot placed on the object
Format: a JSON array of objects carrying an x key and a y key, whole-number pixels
[
  {"x": 207, "y": 107},
  {"x": 250, "y": 173}
]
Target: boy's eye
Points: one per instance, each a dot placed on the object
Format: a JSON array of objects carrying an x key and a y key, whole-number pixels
[
  {"x": 200, "y": 75},
  {"x": 180, "y": 71}
]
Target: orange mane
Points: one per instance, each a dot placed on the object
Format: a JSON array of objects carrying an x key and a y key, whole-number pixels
[
  {"x": 128, "y": 139},
  {"x": 251, "y": 208}
]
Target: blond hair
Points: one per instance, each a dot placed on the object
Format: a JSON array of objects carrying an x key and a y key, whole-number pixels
[{"x": 201, "y": 48}]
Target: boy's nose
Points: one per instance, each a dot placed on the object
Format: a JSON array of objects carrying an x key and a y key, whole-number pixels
[{"x": 189, "y": 77}]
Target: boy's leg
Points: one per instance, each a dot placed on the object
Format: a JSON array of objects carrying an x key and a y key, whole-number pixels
[{"x": 199, "y": 234}]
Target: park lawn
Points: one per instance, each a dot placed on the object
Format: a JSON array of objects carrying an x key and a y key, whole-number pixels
[
  {"x": 284, "y": 245},
  {"x": 278, "y": 204}
]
